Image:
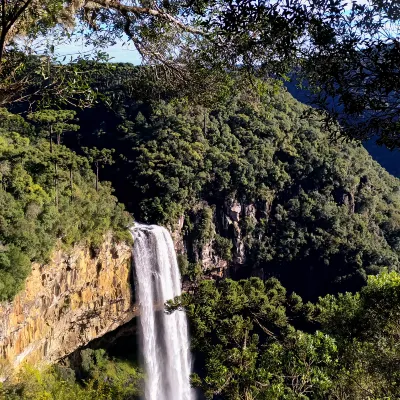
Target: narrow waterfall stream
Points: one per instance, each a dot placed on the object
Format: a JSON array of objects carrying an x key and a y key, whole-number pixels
[{"x": 164, "y": 338}]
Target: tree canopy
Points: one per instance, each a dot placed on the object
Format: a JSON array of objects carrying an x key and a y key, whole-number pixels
[
  {"x": 327, "y": 214},
  {"x": 41, "y": 206},
  {"x": 347, "y": 53},
  {"x": 255, "y": 341}
]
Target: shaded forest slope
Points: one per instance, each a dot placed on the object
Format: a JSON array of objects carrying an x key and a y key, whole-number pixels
[{"x": 331, "y": 214}]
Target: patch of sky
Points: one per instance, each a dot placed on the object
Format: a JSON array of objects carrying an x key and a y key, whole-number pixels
[
  {"x": 121, "y": 51},
  {"x": 66, "y": 47}
]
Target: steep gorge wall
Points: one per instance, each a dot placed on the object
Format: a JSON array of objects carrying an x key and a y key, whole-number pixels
[
  {"x": 78, "y": 297},
  {"x": 229, "y": 220},
  {"x": 66, "y": 303}
]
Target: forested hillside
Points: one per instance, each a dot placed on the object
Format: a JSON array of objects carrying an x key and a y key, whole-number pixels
[
  {"x": 388, "y": 158},
  {"x": 324, "y": 215},
  {"x": 254, "y": 340},
  {"x": 286, "y": 231},
  {"x": 328, "y": 215},
  {"x": 47, "y": 198}
]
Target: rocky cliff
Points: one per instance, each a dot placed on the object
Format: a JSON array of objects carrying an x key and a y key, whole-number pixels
[
  {"x": 66, "y": 303},
  {"x": 196, "y": 235}
]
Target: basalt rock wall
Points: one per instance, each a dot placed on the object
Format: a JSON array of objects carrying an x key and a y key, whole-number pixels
[
  {"x": 75, "y": 298},
  {"x": 230, "y": 220}
]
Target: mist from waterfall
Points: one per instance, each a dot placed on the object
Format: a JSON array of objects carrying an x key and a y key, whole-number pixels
[{"x": 164, "y": 337}]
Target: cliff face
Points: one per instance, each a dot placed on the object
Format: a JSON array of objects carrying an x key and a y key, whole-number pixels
[
  {"x": 67, "y": 303},
  {"x": 231, "y": 220}
]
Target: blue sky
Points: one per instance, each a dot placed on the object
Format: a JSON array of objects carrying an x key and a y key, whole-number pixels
[{"x": 118, "y": 53}]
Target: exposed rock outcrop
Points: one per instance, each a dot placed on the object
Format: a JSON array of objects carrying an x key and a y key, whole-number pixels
[
  {"x": 212, "y": 264},
  {"x": 177, "y": 235},
  {"x": 226, "y": 220},
  {"x": 66, "y": 303}
]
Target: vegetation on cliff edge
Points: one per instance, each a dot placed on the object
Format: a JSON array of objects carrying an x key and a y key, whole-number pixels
[{"x": 47, "y": 195}]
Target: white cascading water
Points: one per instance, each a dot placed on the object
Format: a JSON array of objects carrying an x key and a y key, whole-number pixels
[{"x": 164, "y": 337}]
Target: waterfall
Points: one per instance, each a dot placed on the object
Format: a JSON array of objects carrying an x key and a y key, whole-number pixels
[{"x": 164, "y": 337}]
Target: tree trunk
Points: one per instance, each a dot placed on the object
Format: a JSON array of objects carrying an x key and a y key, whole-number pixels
[
  {"x": 51, "y": 138},
  {"x": 58, "y": 138},
  {"x": 205, "y": 123},
  {"x": 56, "y": 182},
  {"x": 3, "y": 28},
  {"x": 70, "y": 183},
  {"x": 7, "y": 24},
  {"x": 2, "y": 43},
  {"x": 97, "y": 176}
]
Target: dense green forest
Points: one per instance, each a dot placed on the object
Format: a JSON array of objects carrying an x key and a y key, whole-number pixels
[
  {"x": 327, "y": 214},
  {"x": 256, "y": 341},
  {"x": 48, "y": 198},
  {"x": 327, "y": 221},
  {"x": 308, "y": 306}
]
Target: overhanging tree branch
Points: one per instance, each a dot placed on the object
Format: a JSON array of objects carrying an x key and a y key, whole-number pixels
[
  {"x": 125, "y": 10},
  {"x": 7, "y": 22}
]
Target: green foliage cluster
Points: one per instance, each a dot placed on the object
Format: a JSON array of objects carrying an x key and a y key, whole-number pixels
[
  {"x": 183, "y": 263},
  {"x": 254, "y": 341},
  {"x": 223, "y": 247},
  {"x": 246, "y": 343},
  {"x": 201, "y": 228},
  {"x": 327, "y": 214},
  {"x": 55, "y": 121},
  {"x": 46, "y": 195},
  {"x": 104, "y": 379},
  {"x": 365, "y": 326}
]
